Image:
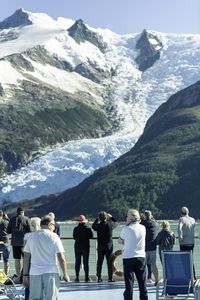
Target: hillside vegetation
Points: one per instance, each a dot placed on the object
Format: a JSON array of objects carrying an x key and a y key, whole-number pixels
[{"x": 160, "y": 173}]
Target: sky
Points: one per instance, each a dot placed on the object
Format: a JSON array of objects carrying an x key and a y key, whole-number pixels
[{"x": 120, "y": 16}]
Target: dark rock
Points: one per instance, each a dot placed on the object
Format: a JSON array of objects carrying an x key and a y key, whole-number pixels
[
  {"x": 80, "y": 33},
  {"x": 41, "y": 55},
  {"x": 8, "y": 36},
  {"x": 12, "y": 160},
  {"x": 1, "y": 90},
  {"x": 19, "y": 18},
  {"x": 149, "y": 52},
  {"x": 18, "y": 61},
  {"x": 91, "y": 72}
]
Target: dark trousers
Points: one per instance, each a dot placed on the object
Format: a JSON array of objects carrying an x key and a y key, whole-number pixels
[
  {"x": 135, "y": 266},
  {"x": 85, "y": 254},
  {"x": 149, "y": 272},
  {"x": 188, "y": 248},
  {"x": 107, "y": 252}
]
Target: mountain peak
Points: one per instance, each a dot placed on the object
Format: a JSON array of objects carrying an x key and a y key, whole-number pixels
[
  {"x": 19, "y": 18},
  {"x": 149, "y": 47},
  {"x": 80, "y": 33}
]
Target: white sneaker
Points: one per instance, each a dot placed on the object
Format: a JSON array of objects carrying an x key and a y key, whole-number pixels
[{"x": 149, "y": 280}]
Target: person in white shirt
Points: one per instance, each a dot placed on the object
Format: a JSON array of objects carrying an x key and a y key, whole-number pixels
[
  {"x": 186, "y": 226},
  {"x": 42, "y": 252},
  {"x": 133, "y": 239}
]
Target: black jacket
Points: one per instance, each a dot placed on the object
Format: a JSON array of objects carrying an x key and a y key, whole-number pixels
[
  {"x": 82, "y": 235},
  {"x": 104, "y": 233},
  {"x": 165, "y": 239},
  {"x": 18, "y": 226},
  {"x": 57, "y": 228},
  {"x": 3, "y": 231},
  {"x": 151, "y": 233}
]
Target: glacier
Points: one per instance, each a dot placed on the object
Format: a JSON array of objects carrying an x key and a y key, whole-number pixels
[{"x": 135, "y": 94}]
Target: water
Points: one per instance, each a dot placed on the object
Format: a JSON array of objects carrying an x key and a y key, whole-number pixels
[{"x": 67, "y": 230}]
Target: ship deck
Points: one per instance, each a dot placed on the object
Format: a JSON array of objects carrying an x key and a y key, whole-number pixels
[
  {"x": 99, "y": 291},
  {"x": 95, "y": 291}
]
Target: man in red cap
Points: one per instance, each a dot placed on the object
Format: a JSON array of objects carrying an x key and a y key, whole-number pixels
[{"x": 82, "y": 235}]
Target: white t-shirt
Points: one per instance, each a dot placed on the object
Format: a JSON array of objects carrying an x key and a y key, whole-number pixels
[
  {"x": 43, "y": 246},
  {"x": 27, "y": 235},
  {"x": 133, "y": 236}
]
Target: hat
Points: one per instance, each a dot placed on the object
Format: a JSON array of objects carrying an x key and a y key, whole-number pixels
[{"x": 81, "y": 219}]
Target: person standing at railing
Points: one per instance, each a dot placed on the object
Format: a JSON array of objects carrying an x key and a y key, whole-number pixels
[
  {"x": 4, "y": 245},
  {"x": 57, "y": 226},
  {"x": 186, "y": 226},
  {"x": 18, "y": 226},
  {"x": 165, "y": 239},
  {"x": 132, "y": 238},
  {"x": 42, "y": 252},
  {"x": 150, "y": 244},
  {"x": 104, "y": 226},
  {"x": 82, "y": 235}
]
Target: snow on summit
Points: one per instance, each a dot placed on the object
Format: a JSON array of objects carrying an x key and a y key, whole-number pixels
[{"x": 136, "y": 94}]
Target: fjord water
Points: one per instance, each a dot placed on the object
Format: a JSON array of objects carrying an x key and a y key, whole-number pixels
[{"x": 67, "y": 230}]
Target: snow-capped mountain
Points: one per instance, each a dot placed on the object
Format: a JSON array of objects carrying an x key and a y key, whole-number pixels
[{"x": 46, "y": 62}]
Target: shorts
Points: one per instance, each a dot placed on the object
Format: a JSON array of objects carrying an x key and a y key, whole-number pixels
[
  {"x": 44, "y": 286},
  {"x": 17, "y": 252},
  {"x": 151, "y": 257},
  {"x": 6, "y": 252}
]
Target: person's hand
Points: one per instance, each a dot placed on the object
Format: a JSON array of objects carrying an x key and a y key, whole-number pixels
[
  {"x": 109, "y": 216},
  {"x": 66, "y": 278}
]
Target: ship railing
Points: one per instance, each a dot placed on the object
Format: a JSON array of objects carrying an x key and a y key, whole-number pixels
[{"x": 68, "y": 243}]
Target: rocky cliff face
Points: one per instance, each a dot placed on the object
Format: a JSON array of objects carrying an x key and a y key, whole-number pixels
[
  {"x": 19, "y": 18},
  {"x": 80, "y": 33},
  {"x": 149, "y": 47}
]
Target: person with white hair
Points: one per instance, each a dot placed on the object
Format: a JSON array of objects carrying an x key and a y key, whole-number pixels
[
  {"x": 42, "y": 253},
  {"x": 35, "y": 225},
  {"x": 133, "y": 239},
  {"x": 186, "y": 226},
  {"x": 57, "y": 226}
]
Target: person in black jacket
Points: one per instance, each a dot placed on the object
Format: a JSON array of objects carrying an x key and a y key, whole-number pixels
[
  {"x": 17, "y": 227},
  {"x": 165, "y": 238},
  {"x": 150, "y": 243},
  {"x": 104, "y": 226},
  {"x": 82, "y": 235}
]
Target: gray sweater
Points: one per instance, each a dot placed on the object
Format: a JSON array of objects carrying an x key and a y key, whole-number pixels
[{"x": 186, "y": 227}]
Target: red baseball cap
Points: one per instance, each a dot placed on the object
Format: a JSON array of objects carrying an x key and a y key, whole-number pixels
[{"x": 81, "y": 219}]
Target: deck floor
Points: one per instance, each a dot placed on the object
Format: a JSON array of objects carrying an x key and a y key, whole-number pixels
[
  {"x": 99, "y": 291},
  {"x": 95, "y": 291}
]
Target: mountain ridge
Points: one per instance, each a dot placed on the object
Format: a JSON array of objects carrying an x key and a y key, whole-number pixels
[{"x": 51, "y": 74}]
